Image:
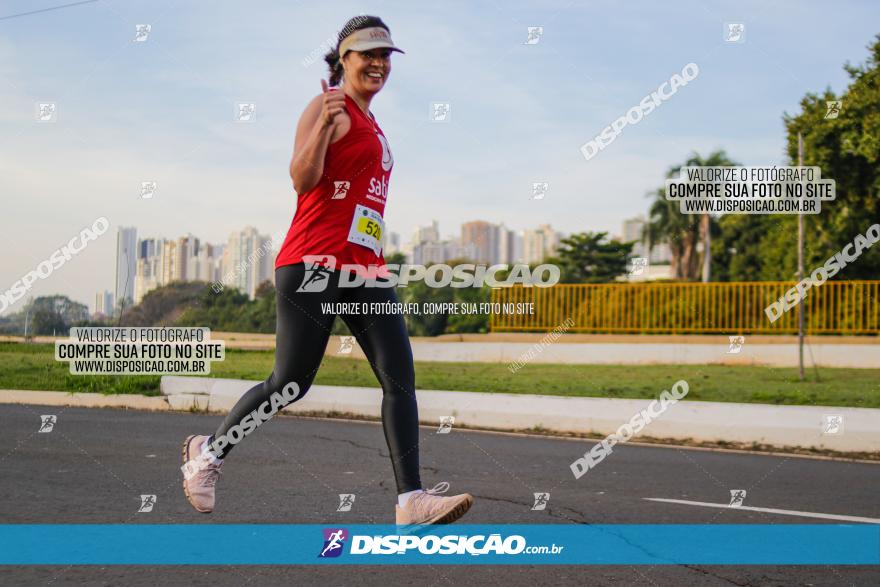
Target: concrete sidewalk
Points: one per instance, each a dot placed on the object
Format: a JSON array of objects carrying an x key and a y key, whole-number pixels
[
  {"x": 785, "y": 428},
  {"x": 691, "y": 421}
]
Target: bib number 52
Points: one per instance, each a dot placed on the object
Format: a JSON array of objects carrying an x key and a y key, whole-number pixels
[
  {"x": 373, "y": 229},
  {"x": 366, "y": 229}
]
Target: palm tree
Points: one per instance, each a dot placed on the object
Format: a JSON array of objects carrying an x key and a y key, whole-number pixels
[{"x": 683, "y": 231}]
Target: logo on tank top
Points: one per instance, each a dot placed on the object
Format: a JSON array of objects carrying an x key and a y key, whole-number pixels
[
  {"x": 387, "y": 158},
  {"x": 340, "y": 190},
  {"x": 378, "y": 191}
]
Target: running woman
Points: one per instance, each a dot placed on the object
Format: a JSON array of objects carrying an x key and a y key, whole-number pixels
[{"x": 340, "y": 169}]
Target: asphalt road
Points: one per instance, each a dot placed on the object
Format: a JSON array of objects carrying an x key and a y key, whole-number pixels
[{"x": 95, "y": 464}]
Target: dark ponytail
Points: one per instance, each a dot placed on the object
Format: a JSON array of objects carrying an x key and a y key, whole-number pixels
[
  {"x": 332, "y": 58},
  {"x": 335, "y": 64}
]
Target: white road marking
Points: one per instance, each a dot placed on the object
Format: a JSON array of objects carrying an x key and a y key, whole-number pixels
[{"x": 770, "y": 510}]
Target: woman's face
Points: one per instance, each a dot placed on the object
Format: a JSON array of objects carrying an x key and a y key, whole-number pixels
[{"x": 367, "y": 71}]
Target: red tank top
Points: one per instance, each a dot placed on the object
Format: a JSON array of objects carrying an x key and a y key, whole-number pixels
[{"x": 342, "y": 215}]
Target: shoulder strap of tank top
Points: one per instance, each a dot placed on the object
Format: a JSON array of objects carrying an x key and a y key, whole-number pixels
[{"x": 355, "y": 112}]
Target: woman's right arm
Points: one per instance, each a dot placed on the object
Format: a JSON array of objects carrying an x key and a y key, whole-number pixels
[{"x": 313, "y": 135}]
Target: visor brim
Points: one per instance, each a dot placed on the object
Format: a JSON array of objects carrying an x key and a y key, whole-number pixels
[{"x": 366, "y": 46}]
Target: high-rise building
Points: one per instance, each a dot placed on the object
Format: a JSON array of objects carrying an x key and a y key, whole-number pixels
[
  {"x": 196, "y": 259},
  {"x": 427, "y": 234},
  {"x": 219, "y": 252},
  {"x": 454, "y": 250},
  {"x": 104, "y": 303},
  {"x": 425, "y": 247},
  {"x": 126, "y": 264},
  {"x": 428, "y": 253},
  {"x": 248, "y": 261},
  {"x": 506, "y": 246},
  {"x": 179, "y": 259},
  {"x": 517, "y": 240},
  {"x": 161, "y": 261},
  {"x": 391, "y": 243},
  {"x": 202, "y": 265},
  {"x": 490, "y": 244},
  {"x": 483, "y": 243},
  {"x": 170, "y": 270},
  {"x": 539, "y": 244},
  {"x": 149, "y": 267},
  {"x": 482, "y": 238},
  {"x": 190, "y": 247},
  {"x": 633, "y": 230}
]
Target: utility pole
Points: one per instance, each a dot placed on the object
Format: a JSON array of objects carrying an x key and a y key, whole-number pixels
[
  {"x": 800, "y": 246},
  {"x": 706, "y": 222}
]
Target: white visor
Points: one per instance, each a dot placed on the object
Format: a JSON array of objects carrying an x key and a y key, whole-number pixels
[{"x": 366, "y": 39}]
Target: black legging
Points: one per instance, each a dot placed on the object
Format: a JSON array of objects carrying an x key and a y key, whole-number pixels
[{"x": 301, "y": 336}]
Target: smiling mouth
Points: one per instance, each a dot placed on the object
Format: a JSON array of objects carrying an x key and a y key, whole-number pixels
[{"x": 375, "y": 75}]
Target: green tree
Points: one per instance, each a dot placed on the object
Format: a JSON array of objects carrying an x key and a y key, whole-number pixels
[
  {"x": 589, "y": 257},
  {"x": 739, "y": 251},
  {"x": 14, "y": 323},
  {"x": 419, "y": 292},
  {"x": 55, "y": 314},
  {"x": 229, "y": 309},
  {"x": 682, "y": 231},
  {"x": 847, "y": 149},
  {"x": 165, "y": 305},
  {"x": 464, "y": 323},
  {"x": 397, "y": 258},
  {"x": 259, "y": 315}
]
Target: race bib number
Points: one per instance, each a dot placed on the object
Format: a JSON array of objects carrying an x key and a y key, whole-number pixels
[{"x": 366, "y": 229}]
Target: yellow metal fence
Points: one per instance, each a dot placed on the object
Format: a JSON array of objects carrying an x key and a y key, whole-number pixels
[{"x": 842, "y": 307}]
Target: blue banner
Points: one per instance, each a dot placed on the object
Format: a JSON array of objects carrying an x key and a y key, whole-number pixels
[{"x": 276, "y": 544}]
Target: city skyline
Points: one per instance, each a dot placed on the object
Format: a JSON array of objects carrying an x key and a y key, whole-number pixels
[{"x": 247, "y": 258}]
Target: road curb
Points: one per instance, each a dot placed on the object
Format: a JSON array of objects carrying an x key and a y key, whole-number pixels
[
  {"x": 779, "y": 427},
  {"x": 84, "y": 400},
  {"x": 686, "y": 421}
]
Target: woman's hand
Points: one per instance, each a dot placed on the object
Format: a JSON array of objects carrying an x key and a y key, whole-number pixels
[
  {"x": 333, "y": 105},
  {"x": 314, "y": 131}
]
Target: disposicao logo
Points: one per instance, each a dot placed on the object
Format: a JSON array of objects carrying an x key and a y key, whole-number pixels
[{"x": 334, "y": 542}]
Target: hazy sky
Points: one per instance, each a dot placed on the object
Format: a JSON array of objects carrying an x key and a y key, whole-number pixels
[{"x": 163, "y": 110}]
